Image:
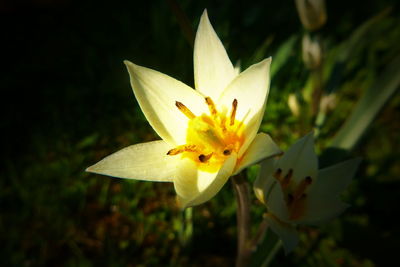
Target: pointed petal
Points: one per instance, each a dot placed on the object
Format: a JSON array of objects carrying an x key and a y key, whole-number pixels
[
  {"x": 334, "y": 179},
  {"x": 301, "y": 158},
  {"x": 145, "y": 161},
  {"x": 262, "y": 147},
  {"x": 157, "y": 94},
  {"x": 250, "y": 88},
  {"x": 264, "y": 180},
  {"x": 286, "y": 232},
  {"x": 195, "y": 187},
  {"x": 323, "y": 199},
  {"x": 213, "y": 70}
]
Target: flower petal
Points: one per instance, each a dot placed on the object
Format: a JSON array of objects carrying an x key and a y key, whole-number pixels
[
  {"x": 323, "y": 199},
  {"x": 262, "y": 147},
  {"x": 195, "y": 187},
  {"x": 287, "y": 233},
  {"x": 144, "y": 161},
  {"x": 250, "y": 88},
  {"x": 264, "y": 180},
  {"x": 157, "y": 94},
  {"x": 213, "y": 70},
  {"x": 272, "y": 194},
  {"x": 301, "y": 158}
]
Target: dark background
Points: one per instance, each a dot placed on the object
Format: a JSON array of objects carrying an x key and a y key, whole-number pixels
[{"x": 66, "y": 102}]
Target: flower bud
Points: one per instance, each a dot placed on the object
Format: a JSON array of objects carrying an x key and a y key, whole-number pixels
[
  {"x": 294, "y": 105},
  {"x": 312, "y": 53},
  {"x": 312, "y": 13}
]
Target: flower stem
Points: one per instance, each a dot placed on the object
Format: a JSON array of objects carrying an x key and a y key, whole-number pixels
[{"x": 244, "y": 249}]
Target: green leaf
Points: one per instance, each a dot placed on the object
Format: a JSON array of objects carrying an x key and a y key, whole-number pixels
[{"x": 368, "y": 107}]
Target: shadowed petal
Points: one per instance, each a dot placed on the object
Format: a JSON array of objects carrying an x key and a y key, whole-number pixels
[
  {"x": 262, "y": 147},
  {"x": 145, "y": 161},
  {"x": 250, "y": 88},
  {"x": 157, "y": 94},
  {"x": 195, "y": 187},
  {"x": 301, "y": 158},
  {"x": 286, "y": 232},
  {"x": 213, "y": 70},
  {"x": 323, "y": 200},
  {"x": 264, "y": 180}
]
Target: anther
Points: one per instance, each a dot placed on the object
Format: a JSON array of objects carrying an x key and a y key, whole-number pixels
[
  {"x": 181, "y": 149},
  {"x": 278, "y": 173},
  {"x": 204, "y": 158},
  {"x": 211, "y": 106},
  {"x": 233, "y": 113},
  {"x": 308, "y": 179},
  {"x": 184, "y": 110},
  {"x": 227, "y": 152},
  {"x": 286, "y": 180}
]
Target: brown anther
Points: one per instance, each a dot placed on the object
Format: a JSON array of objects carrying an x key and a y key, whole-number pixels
[
  {"x": 211, "y": 106},
  {"x": 286, "y": 179},
  {"x": 181, "y": 149},
  {"x": 182, "y": 108},
  {"x": 227, "y": 152},
  {"x": 278, "y": 173},
  {"x": 233, "y": 113},
  {"x": 204, "y": 158},
  {"x": 308, "y": 180}
]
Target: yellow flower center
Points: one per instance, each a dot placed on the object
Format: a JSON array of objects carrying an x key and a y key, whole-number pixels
[
  {"x": 210, "y": 139},
  {"x": 295, "y": 194}
]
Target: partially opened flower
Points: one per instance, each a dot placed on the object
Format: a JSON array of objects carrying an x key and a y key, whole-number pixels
[
  {"x": 208, "y": 134},
  {"x": 296, "y": 192}
]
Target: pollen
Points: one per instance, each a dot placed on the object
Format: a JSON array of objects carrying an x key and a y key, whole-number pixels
[{"x": 210, "y": 138}]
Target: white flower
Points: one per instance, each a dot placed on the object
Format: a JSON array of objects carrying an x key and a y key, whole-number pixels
[
  {"x": 296, "y": 192},
  {"x": 208, "y": 134}
]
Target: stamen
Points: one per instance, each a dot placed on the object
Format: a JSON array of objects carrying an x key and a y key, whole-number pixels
[
  {"x": 286, "y": 179},
  {"x": 180, "y": 149},
  {"x": 301, "y": 188},
  {"x": 233, "y": 113},
  {"x": 211, "y": 106},
  {"x": 204, "y": 158},
  {"x": 184, "y": 110},
  {"x": 277, "y": 174}
]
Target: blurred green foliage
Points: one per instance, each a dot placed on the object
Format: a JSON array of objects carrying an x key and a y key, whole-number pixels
[{"x": 67, "y": 102}]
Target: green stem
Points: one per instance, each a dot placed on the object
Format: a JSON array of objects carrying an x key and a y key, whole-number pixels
[{"x": 244, "y": 249}]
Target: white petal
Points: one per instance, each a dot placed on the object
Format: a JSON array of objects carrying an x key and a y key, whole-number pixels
[
  {"x": 301, "y": 158},
  {"x": 334, "y": 179},
  {"x": 213, "y": 70},
  {"x": 195, "y": 187},
  {"x": 287, "y": 233},
  {"x": 157, "y": 94},
  {"x": 264, "y": 180},
  {"x": 145, "y": 161},
  {"x": 250, "y": 88},
  {"x": 323, "y": 199},
  {"x": 262, "y": 147}
]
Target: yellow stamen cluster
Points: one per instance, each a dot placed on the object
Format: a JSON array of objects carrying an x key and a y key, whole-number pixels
[
  {"x": 210, "y": 139},
  {"x": 295, "y": 193}
]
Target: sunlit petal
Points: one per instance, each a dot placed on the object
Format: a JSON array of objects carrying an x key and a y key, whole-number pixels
[
  {"x": 250, "y": 88},
  {"x": 213, "y": 70},
  {"x": 262, "y": 147},
  {"x": 301, "y": 158},
  {"x": 157, "y": 94},
  {"x": 195, "y": 187},
  {"x": 145, "y": 161},
  {"x": 286, "y": 232}
]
